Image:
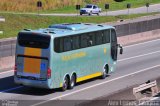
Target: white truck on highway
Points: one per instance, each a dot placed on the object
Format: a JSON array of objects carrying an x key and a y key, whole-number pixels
[{"x": 90, "y": 9}]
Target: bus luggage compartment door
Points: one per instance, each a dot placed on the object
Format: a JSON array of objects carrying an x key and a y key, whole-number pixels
[{"x": 34, "y": 68}]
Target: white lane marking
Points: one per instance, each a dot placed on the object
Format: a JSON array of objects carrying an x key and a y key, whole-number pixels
[
  {"x": 142, "y": 43},
  {"x": 124, "y": 47},
  {"x": 138, "y": 56},
  {"x": 114, "y": 79},
  {"x": 18, "y": 87},
  {"x": 6, "y": 72}
]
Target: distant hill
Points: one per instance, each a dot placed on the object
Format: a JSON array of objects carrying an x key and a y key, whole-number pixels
[{"x": 30, "y": 5}]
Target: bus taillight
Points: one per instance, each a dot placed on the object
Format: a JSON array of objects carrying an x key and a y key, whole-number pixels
[
  {"x": 49, "y": 73},
  {"x": 15, "y": 69}
]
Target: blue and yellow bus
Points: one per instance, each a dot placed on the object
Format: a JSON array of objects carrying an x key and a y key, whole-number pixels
[{"x": 64, "y": 54}]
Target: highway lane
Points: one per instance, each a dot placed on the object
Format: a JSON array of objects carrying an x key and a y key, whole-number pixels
[{"x": 144, "y": 59}]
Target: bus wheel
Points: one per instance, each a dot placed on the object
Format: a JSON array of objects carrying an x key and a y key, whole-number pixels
[
  {"x": 65, "y": 84},
  {"x": 105, "y": 72},
  {"x": 72, "y": 82}
]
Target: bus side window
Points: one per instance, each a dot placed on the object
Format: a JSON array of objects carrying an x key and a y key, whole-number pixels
[
  {"x": 98, "y": 38},
  {"x": 61, "y": 45},
  {"x": 67, "y": 44},
  {"x": 84, "y": 41},
  {"x": 58, "y": 45},
  {"x": 106, "y": 36},
  {"x": 113, "y": 34},
  {"x": 91, "y": 39},
  {"x": 75, "y": 42}
]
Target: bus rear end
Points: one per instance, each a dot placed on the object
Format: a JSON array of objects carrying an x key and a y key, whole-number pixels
[{"x": 32, "y": 60}]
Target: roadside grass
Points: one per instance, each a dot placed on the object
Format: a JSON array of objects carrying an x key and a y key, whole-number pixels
[{"x": 14, "y": 22}]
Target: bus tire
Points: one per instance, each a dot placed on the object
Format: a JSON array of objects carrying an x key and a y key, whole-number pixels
[
  {"x": 65, "y": 84},
  {"x": 105, "y": 72},
  {"x": 72, "y": 81}
]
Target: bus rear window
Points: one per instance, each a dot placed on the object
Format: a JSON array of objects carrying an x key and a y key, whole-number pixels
[{"x": 33, "y": 40}]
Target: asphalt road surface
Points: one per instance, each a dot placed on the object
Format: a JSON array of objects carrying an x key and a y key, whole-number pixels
[{"x": 139, "y": 63}]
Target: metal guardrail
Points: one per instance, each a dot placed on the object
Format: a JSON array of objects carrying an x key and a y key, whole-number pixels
[
  {"x": 146, "y": 88},
  {"x": 137, "y": 27}
]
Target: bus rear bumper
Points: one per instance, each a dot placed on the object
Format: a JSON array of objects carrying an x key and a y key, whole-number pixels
[{"x": 32, "y": 83}]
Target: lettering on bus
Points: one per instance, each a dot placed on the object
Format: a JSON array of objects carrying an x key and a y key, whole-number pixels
[{"x": 74, "y": 56}]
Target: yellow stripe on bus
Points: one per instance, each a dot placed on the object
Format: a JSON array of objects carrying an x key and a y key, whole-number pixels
[
  {"x": 32, "y": 65},
  {"x": 61, "y": 84},
  {"x": 89, "y": 76}
]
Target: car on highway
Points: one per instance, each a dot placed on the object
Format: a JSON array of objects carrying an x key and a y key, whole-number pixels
[{"x": 90, "y": 9}]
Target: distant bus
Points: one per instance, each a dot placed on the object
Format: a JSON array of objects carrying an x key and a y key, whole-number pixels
[{"x": 64, "y": 54}]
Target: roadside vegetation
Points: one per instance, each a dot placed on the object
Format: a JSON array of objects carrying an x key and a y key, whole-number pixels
[
  {"x": 65, "y": 6},
  {"x": 14, "y": 23}
]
